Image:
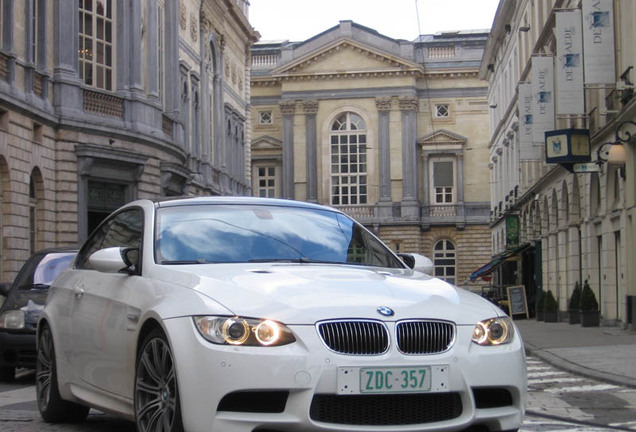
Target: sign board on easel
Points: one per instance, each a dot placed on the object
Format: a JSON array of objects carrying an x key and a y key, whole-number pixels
[{"x": 517, "y": 300}]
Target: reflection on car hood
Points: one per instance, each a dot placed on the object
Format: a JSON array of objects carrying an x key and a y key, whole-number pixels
[{"x": 304, "y": 294}]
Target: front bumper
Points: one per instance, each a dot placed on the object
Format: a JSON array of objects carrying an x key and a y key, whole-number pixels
[
  {"x": 295, "y": 387},
  {"x": 17, "y": 349}
]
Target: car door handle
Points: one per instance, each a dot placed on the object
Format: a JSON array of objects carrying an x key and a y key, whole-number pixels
[{"x": 78, "y": 292}]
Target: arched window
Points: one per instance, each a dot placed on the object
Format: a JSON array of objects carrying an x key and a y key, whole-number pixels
[
  {"x": 348, "y": 160},
  {"x": 36, "y": 217},
  {"x": 444, "y": 260}
]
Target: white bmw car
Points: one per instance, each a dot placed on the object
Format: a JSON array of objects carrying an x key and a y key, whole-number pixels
[{"x": 260, "y": 315}]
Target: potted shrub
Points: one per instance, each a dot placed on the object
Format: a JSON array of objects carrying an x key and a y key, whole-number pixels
[
  {"x": 539, "y": 305},
  {"x": 574, "y": 305},
  {"x": 590, "y": 315},
  {"x": 550, "y": 308}
]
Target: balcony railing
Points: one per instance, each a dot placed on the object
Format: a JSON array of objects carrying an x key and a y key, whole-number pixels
[
  {"x": 358, "y": 212},
  {"x": 103, "y": 104}
]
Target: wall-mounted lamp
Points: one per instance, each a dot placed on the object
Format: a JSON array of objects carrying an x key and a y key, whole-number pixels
[
  {"x": 612, "y": 153},
  {"x": 524, "y": 29},
  {"x": 491, "y": 67},
  {"x": 508, "y": 28}
]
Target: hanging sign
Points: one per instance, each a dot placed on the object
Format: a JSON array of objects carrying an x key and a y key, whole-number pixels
[
  {"x": 569, "y": 69},
  {"x": 598, "y": 41}
]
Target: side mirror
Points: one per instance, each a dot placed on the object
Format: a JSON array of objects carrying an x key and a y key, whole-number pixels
[
  {"x": 417, "y": 262},
  {"x": 115, "y": 260}
]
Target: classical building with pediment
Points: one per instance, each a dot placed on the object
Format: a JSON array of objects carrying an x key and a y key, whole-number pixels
[{"x": 394, "y": 133}]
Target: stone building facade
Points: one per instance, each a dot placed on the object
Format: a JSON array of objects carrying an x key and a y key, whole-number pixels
[
  {"x": 105, "y": 101},
  {"x": 575, "y": 223},
  {"x": 394, "y": 133}
]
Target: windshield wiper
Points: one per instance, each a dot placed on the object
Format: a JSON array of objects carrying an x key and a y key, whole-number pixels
[
  {"x": 37, "y": 286},
  {"x": 301, "y": 260},
  {"x": 185, "y": 262}
]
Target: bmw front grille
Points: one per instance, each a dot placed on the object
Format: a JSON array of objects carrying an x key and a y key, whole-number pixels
[{"x": 368, "y": 337}]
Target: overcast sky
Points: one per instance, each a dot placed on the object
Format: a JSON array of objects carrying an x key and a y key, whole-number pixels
[{"x": 297, "y": 20}]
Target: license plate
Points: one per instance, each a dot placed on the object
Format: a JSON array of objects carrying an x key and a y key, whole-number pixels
[{"x": 420, "y": 379}]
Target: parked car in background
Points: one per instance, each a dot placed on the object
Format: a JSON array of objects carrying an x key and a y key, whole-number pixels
[
  {"x": 24, "y": 300},
  {"x": 224, "y": 314}
]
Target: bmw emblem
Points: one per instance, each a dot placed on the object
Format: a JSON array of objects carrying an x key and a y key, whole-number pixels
[{"x": 386, "y": 311}]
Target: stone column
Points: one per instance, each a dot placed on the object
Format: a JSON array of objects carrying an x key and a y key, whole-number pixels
[
  {"x": 311, "y": 108},
  {"x": 288, "y": 109},
  {"x": 67, "y": 97},
  {"x": 410, "y": 204},
  {"x": 385, "y": 206}
]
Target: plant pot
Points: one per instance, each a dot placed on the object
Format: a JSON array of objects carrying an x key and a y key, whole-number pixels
[
  {"x": 574, "y": 316},
  {"x": 551, "y": 316},
  {"x": 539, "y": 315},
  {"x": 590, "y": 318}
]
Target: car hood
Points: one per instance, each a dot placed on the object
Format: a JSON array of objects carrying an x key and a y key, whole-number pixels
[{"x": 306, "y": 293}]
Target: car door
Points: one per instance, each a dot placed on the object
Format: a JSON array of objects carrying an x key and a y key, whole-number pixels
[{"x": 103, "y": 324}]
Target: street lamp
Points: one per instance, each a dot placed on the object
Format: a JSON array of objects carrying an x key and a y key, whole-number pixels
[{"x": 614, "y": 155}]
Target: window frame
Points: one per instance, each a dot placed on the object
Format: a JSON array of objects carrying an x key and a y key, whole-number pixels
[
  {"x": 433, "y": 187},
  {"x": 96, "y": 241},
  {"x": 348, "y": 186},
  {"x": 271, "y": 118},
  {"x": 446, "y": 254},
  {"x": 268, "y": 177},
  {"x": 92, "y": 65}
]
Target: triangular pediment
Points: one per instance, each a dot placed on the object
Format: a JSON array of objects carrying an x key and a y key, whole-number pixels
[
  {"x": 266, "y": 143},
  {"x": 347, "y": 57},
  {"x": 442, "y": 139}
]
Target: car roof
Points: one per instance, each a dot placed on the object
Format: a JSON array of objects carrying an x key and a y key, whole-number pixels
[{"x": 181, "y": 201}]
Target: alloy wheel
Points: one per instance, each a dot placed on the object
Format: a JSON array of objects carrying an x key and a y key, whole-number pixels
[
  {"x": 44, "y": 368},
  {"x": 156, "y": 399}
]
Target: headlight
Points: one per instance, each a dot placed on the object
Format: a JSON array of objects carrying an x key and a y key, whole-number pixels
[
  {"x": 243, "y": 331},
  {"x": 495, "y": 331},
  {"x": 13, "y": 319}
]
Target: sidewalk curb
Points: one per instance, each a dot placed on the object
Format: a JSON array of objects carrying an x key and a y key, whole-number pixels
[{"x": 578, "y": 369}]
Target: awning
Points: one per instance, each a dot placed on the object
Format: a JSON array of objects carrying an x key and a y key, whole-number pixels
[{"x": 497, "y": 261}]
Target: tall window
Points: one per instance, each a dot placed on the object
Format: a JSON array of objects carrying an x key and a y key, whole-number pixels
[
  {"x": 443, "y": 184},
  {"x": 444, "y": 260},
  {"x": 348, "y": 160},
  {"x": 266, "y": 180},
  {"x": 33, "y": 224},
  {"x": 33, "y": 46},
  {"x": 96, "y": 43},
  {"x": 161, "y": 51}
]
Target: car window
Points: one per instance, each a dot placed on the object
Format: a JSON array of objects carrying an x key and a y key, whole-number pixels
[
  {"x": 243, "y": 233},
  {"x": 122, "y": 230},
  {"x": 42, "y": 273}
]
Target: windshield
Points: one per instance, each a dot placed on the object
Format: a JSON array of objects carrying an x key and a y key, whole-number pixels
[{"x": 244, "y": 233}]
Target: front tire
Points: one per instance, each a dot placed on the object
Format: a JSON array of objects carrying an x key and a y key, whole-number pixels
[
  {"x": 52, "y": 407},
  {"x": 157, "y": 406}
]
